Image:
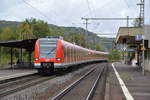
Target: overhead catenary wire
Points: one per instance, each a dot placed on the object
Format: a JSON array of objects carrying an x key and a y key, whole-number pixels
[
  {"x": 104, "y": 19},
  {"x": 37, "y": 10},
  {"x": 125, "y": 1},
  {"x": 104, "y": 5},
  {"x": 128, "y": 5},
  {"x": 106, "y": 33},
  {"x": 88, "y": 4}
]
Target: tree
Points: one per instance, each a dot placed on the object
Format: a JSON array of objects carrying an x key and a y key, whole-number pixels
[
  {"x": 82, "y": 40},
  {"x": 1, "y": 30},
  {"x": 24, "y": 31},
  {"x": 137, "y": 22},
  {"x": 6, "y": 34},
  {"x": 76, "y": 38},
  {"x": 98, "y": 47},
  {"x": 56, "y": 32},
  {"x": 114, "y": 55},
  {"x": 32, "y": 28},
  {"x": 40, "y": 29}
]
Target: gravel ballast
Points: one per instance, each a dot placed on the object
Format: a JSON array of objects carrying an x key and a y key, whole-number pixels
[{"x": 48, "y": 89}]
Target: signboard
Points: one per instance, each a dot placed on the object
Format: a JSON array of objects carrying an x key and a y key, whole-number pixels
[
  {"x": 143, "y": 48},
  {"x": 138, "y": 37},
  {"x": 130, "y": 49}
]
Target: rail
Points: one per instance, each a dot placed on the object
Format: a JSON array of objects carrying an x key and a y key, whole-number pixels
[
  {"x": 66, "y": 90},
  {"x": 71, "y": 86},
  {"x": 90, "y": 95},
  {"x": 12, "y": 87}
]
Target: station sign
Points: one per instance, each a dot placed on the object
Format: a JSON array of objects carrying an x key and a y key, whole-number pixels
[{"x": 138, "y": 37}]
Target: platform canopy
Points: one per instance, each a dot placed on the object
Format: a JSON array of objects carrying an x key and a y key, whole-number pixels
[
  {"x": 27, "y": 44},
  {"x": 128, "y": 34}
]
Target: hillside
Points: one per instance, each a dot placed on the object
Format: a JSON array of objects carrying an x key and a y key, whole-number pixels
[
  {"x": 4, "y": 23},
  {"x": 105, "y": 42}
]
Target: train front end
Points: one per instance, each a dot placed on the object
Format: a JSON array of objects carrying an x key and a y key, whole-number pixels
[{"x": 47, "y": 53}]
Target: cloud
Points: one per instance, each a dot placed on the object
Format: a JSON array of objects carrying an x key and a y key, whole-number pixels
[{"x": 66, "y": 12}]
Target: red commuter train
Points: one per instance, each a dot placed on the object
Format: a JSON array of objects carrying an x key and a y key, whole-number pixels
[{"x": 54, "y": 53}]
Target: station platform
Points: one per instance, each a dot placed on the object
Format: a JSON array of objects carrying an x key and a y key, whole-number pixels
[
  {"x": 127, "y": 83},
  {"x": 6, "y": 74}
]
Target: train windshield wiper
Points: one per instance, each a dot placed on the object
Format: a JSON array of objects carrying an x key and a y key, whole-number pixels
[{"x": 51, "y": 51}]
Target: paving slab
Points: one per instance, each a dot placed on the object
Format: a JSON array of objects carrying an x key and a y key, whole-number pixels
[
  {"x": 14, "y": 73},
  {"x": 137, "y": 84}
]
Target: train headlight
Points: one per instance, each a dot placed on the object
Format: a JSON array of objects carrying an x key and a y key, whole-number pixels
[
  {"x": 58, "y": 59},
  {"x": 36, "y": 59}
]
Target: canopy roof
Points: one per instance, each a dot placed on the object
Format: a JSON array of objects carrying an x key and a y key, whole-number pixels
[
  {"x": 127, "y": 34},
  {"x": 27, "y": 44}
]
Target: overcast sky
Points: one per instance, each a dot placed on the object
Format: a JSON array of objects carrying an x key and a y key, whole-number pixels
[{"x": 70, "y": 12}]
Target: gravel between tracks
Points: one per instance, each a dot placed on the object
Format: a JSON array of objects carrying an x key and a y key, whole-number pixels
[{"x": 49, "y": 88}]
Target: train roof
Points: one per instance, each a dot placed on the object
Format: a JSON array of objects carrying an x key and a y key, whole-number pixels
[
  {"x": 80, "y": 47},
  {"x": 71, "y": 44},
  {"x": 28, "y": 44}
]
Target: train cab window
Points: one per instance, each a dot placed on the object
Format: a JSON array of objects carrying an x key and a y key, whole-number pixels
[{"x": 47, "y": 48}]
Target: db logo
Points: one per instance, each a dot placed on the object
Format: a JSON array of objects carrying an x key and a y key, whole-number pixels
[{"x": 47, "y": 59}]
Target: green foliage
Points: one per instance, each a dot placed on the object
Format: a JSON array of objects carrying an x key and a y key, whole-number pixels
[
  {"x": 136, "y": 22},
  {"x": 40, "y": 28},
  {"x": 114, "y": 55},
  {"x": 6, "y": 34},
  {"x": 56, "y": 32},
  {"x": 77, "y": 38},
  {"x": 0, "y": 30},
  {"x": 99, "y": 47},
  {"x": 24, "y": 31},
  {"x": 33, "y": 28}
]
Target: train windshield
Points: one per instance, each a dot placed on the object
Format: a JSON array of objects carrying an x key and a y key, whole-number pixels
[{"x": 47, "y": 48}]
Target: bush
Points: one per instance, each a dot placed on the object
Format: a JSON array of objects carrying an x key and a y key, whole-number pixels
[{"x": 114, "y": 55}]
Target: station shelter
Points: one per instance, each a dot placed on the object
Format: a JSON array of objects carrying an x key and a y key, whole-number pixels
[
  {"x": 27, "y": 44},
  {"x": 129, "y": 41}
]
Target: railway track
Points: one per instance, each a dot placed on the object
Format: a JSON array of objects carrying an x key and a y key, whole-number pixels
[
  {"x": 84, "y": 88},
  {"x": 20, "y": 84}
]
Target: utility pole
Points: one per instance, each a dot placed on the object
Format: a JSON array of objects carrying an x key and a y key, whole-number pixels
[
  {"x": 108, "y": 19},
  {"x": 141, "y": 17},
  {"x": 112, "y": 19},
  {"x": 86, "y": 23},
  {"x": 86, "y": 34},
  {"x": 86, "y": 29},
  {"x": 128, "y": 24},
  {"x": 141, "y": 4},
  {"x": 125, "y": 46}
]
